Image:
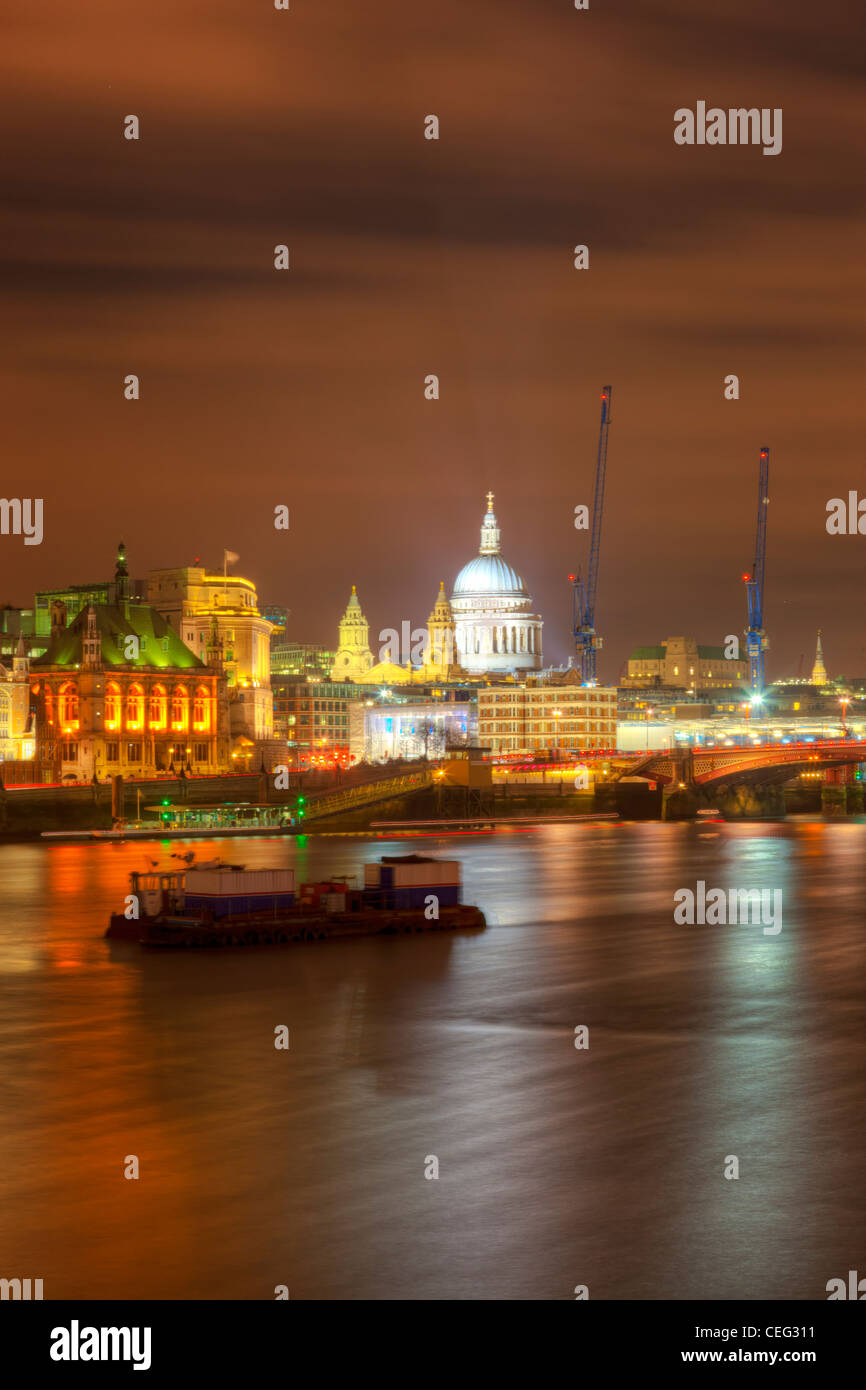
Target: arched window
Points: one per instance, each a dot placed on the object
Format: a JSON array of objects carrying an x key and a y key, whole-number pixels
[
  {"x": 201, "y": 710},
  {"x": 158, "y": 708},
  {"x": 67, "y": 705},
  {"x": 135, "y": 708},
  {"x": 180, "y": 708},
  {"x": 112, "y": 705}
]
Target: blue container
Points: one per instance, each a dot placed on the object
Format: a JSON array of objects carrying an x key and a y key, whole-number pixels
[{"x": 222, "y": 906}]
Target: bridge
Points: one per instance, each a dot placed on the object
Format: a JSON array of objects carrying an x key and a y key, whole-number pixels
[{"x": 764, "y": 764}]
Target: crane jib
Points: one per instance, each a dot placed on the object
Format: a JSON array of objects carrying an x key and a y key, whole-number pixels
[{"x": 586, "y": 640}]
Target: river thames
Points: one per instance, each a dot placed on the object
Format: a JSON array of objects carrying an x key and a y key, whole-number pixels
[{"x": 558, "y": 1167}]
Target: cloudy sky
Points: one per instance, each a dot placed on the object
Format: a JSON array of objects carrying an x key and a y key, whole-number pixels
[{"x": 409, "y": 257}]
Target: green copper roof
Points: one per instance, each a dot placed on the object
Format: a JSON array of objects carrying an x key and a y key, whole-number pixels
[
  {"x": 648, "y": 654},
  {"x": 159, "y": 644}
]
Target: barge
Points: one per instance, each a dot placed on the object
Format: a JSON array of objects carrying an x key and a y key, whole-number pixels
[{"x": 219, "y": 904}]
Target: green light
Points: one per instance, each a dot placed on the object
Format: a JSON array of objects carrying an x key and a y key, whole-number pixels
[{"x": 166, "y": 801}]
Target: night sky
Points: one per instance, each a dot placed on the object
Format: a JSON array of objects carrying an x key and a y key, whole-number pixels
[{"x": 454, "y": 257}]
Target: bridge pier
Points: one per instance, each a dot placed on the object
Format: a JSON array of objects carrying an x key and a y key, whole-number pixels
[
  {"x": 679, "y": 803},
  {"x": 834, "y": 801},
  {"x": 745, "y": 801}
]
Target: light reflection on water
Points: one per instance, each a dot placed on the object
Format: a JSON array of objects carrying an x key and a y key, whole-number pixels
[{"x": 557, "y": 1167}]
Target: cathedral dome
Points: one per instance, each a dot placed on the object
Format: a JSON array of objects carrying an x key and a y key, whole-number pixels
[
  {"x": 489, "y": 574},
  {"x": 494, "y": 629}
]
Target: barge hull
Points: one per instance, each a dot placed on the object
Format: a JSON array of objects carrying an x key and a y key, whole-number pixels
[{"x": 269, "y": 931}]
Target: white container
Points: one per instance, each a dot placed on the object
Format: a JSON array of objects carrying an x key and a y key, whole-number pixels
[
  {"x": 437, "y": 871},
  {"x": 219, "y": 883}
]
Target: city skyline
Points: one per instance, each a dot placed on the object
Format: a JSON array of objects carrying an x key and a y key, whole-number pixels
[
  {"x": 411, "y": 257},
  {"x": 432, "y": 673},
  {"x": 297, "y": 631}
]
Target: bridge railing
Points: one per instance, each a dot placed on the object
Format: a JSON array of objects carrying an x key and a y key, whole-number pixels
[{"x": 328, "y": 803}]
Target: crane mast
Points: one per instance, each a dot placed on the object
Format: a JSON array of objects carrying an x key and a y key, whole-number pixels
[
  {"x": 587, "y": 641},
  {"x": 756, "y": 640}
]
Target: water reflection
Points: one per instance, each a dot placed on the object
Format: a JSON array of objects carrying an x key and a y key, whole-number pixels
[{"x": 557, "y": 1167}]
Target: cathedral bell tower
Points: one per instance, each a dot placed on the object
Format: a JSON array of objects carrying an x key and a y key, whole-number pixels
[
  {"x": 353, "y": 657},
  {"x": 442, "y": 648}
]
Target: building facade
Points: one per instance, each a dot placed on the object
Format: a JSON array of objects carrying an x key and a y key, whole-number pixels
[
  {"x": 301, "y": 659},
  {"x": 17, "y": 721},
  {"x": 76, "y": 598},
  {"x": 311, "y": 720},
  {"x": 420, "y": 728},
  {"x": 195, "y": 602},
  {"x": 117, "y": 691},
  {"x": 685, "y": 664},
  {"x": 566, "y": 717}
]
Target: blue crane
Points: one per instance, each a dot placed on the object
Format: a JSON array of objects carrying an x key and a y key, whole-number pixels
[
  {"x": 756, "y": 641},
  {"x": 586, "y": 639}
]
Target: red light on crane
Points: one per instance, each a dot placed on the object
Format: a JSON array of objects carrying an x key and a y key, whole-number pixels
[
  {"x": 746, "y": 578},
  {"x": 571, "y": 577}
]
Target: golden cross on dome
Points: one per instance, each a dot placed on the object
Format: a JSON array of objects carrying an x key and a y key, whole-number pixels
[{"x": 490, "y": 501}]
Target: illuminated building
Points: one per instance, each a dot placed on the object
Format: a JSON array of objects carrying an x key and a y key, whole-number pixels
[
  {"x": 682, "y": 663},
  {"x": 436, "y": 653},
  {"x": 301, "y": 659},
  {"x": 561, "y": 715},
  {"x": 819, "y": 671},
  {"x": 311, "y": 720},
  {"x": 117, "y": 691},
  {"x": 17, "y": 734},
  {"x": 409, "y": 729},
  {"x": 278, "y": 618},
  {"x": 78, "y": 597},
  {"x": 194, "y": 601},
  {"x": 495, "y": 629},
  {"x": 486, "y": 628}
]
